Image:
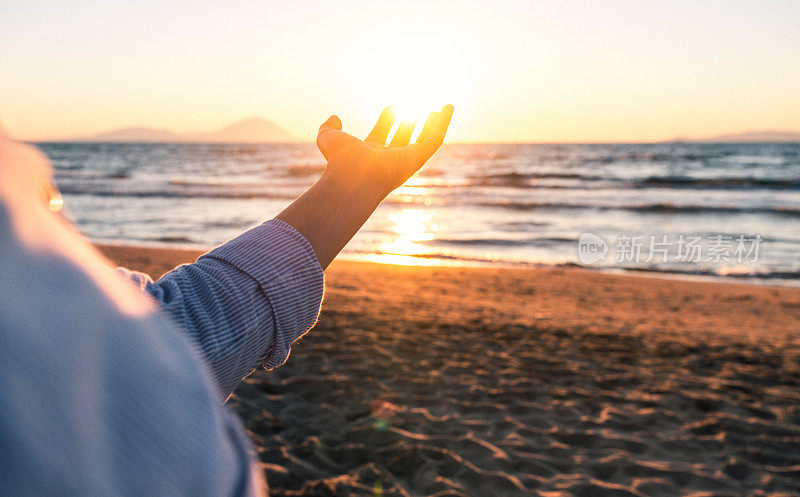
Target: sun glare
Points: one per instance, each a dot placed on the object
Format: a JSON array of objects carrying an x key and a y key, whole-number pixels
[
  {"x": 412, "y": 226},
  {"x": 415, "y": 67}
]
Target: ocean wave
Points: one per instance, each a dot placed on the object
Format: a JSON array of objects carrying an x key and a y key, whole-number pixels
[
  {"x": 177, "y": 191},
  {"x": 303, "y": 170},
  {"x": 171, "y": 239},
  {"x": 761, "y": 274},
  {"x": 590, "y": 181},
  {"x": 666, "y": 208},
  {"x": 720, "y": 183},
  {"x": 630, "y": 157},
  {"x": 89, "y": 174},
  {"x": 527, "y": 179},
  {"x": 501, "y": 242}
]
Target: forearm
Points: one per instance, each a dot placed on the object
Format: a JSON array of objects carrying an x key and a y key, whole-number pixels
[
  {"x": 330, "y": 212},
  {"x": 245, "y": 302}
]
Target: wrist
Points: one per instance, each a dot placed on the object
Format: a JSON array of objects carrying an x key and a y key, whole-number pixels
[{"x": 358, "y": 185}]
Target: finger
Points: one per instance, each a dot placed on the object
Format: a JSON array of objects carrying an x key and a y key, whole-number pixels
[
  {"x": 426, "y": 129},
  {"x": 323, "y": 136},
  {"x": 435, "y": 138},
  {"x": 403, "y": 134},
  {"x": 333, "y": 122},
  {"x": 382, "y": 127}
]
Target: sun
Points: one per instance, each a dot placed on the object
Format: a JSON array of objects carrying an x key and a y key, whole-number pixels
[{"x": 415, "y": 67}]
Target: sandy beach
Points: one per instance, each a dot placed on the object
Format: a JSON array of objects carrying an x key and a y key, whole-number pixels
[{"x": 556, "y": 382}]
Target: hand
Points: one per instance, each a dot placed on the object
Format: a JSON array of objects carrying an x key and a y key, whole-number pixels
[
  {"x": 26, "y": 195},
  {"x": 369, "y": 162},
  {"x": 25, "y": 176}
]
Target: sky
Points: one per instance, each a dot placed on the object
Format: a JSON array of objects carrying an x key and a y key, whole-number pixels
[{"x": 517, "y": 71}]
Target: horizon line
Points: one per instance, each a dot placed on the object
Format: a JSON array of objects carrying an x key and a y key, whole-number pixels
[{"x": 499, "y": 142}]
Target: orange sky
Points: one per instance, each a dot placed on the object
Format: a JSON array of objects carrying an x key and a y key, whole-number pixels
[{"x": 516, "y": 70}]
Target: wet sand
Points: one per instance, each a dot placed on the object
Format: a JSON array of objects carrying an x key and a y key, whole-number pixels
[{"x": 557, "y": 382}]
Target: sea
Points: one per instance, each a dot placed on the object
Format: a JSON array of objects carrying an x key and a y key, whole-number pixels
[{"x": 726, "y": 211}]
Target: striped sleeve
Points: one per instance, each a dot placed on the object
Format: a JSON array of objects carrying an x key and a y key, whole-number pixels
[{"x": 246, "y": 302}]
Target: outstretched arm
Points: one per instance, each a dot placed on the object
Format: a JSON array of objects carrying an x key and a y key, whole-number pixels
[
  {"x": 358, "y": 176},
  {"x": 247, "y": 301}
]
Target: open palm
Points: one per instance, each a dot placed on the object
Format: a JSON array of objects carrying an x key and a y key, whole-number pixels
[{"x": 371, "y": 160}]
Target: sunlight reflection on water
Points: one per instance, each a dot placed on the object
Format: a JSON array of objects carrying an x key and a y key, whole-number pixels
[{"x": 411, "y": 226}]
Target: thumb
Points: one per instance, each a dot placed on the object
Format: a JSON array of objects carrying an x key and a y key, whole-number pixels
[
  {"x": 326, "y": 134},
  {"x": 333, "y": 122}
]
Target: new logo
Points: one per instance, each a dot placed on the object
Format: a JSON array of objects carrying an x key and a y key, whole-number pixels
[{"x": 591, "y": 248}]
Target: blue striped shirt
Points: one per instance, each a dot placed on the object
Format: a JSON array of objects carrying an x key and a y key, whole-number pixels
[
  {"x": 94, "y": 402},
  {"x": 245, "y": 302}
]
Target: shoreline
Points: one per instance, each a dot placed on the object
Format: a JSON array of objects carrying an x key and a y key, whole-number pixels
[
  {"x": 742, "y": 279},
  {"x": 543, "y": 296}
]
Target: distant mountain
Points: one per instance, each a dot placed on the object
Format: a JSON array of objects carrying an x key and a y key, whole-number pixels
[
  {"x": 250, "y": 130},
  {"x": 754, "y": 136}
]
